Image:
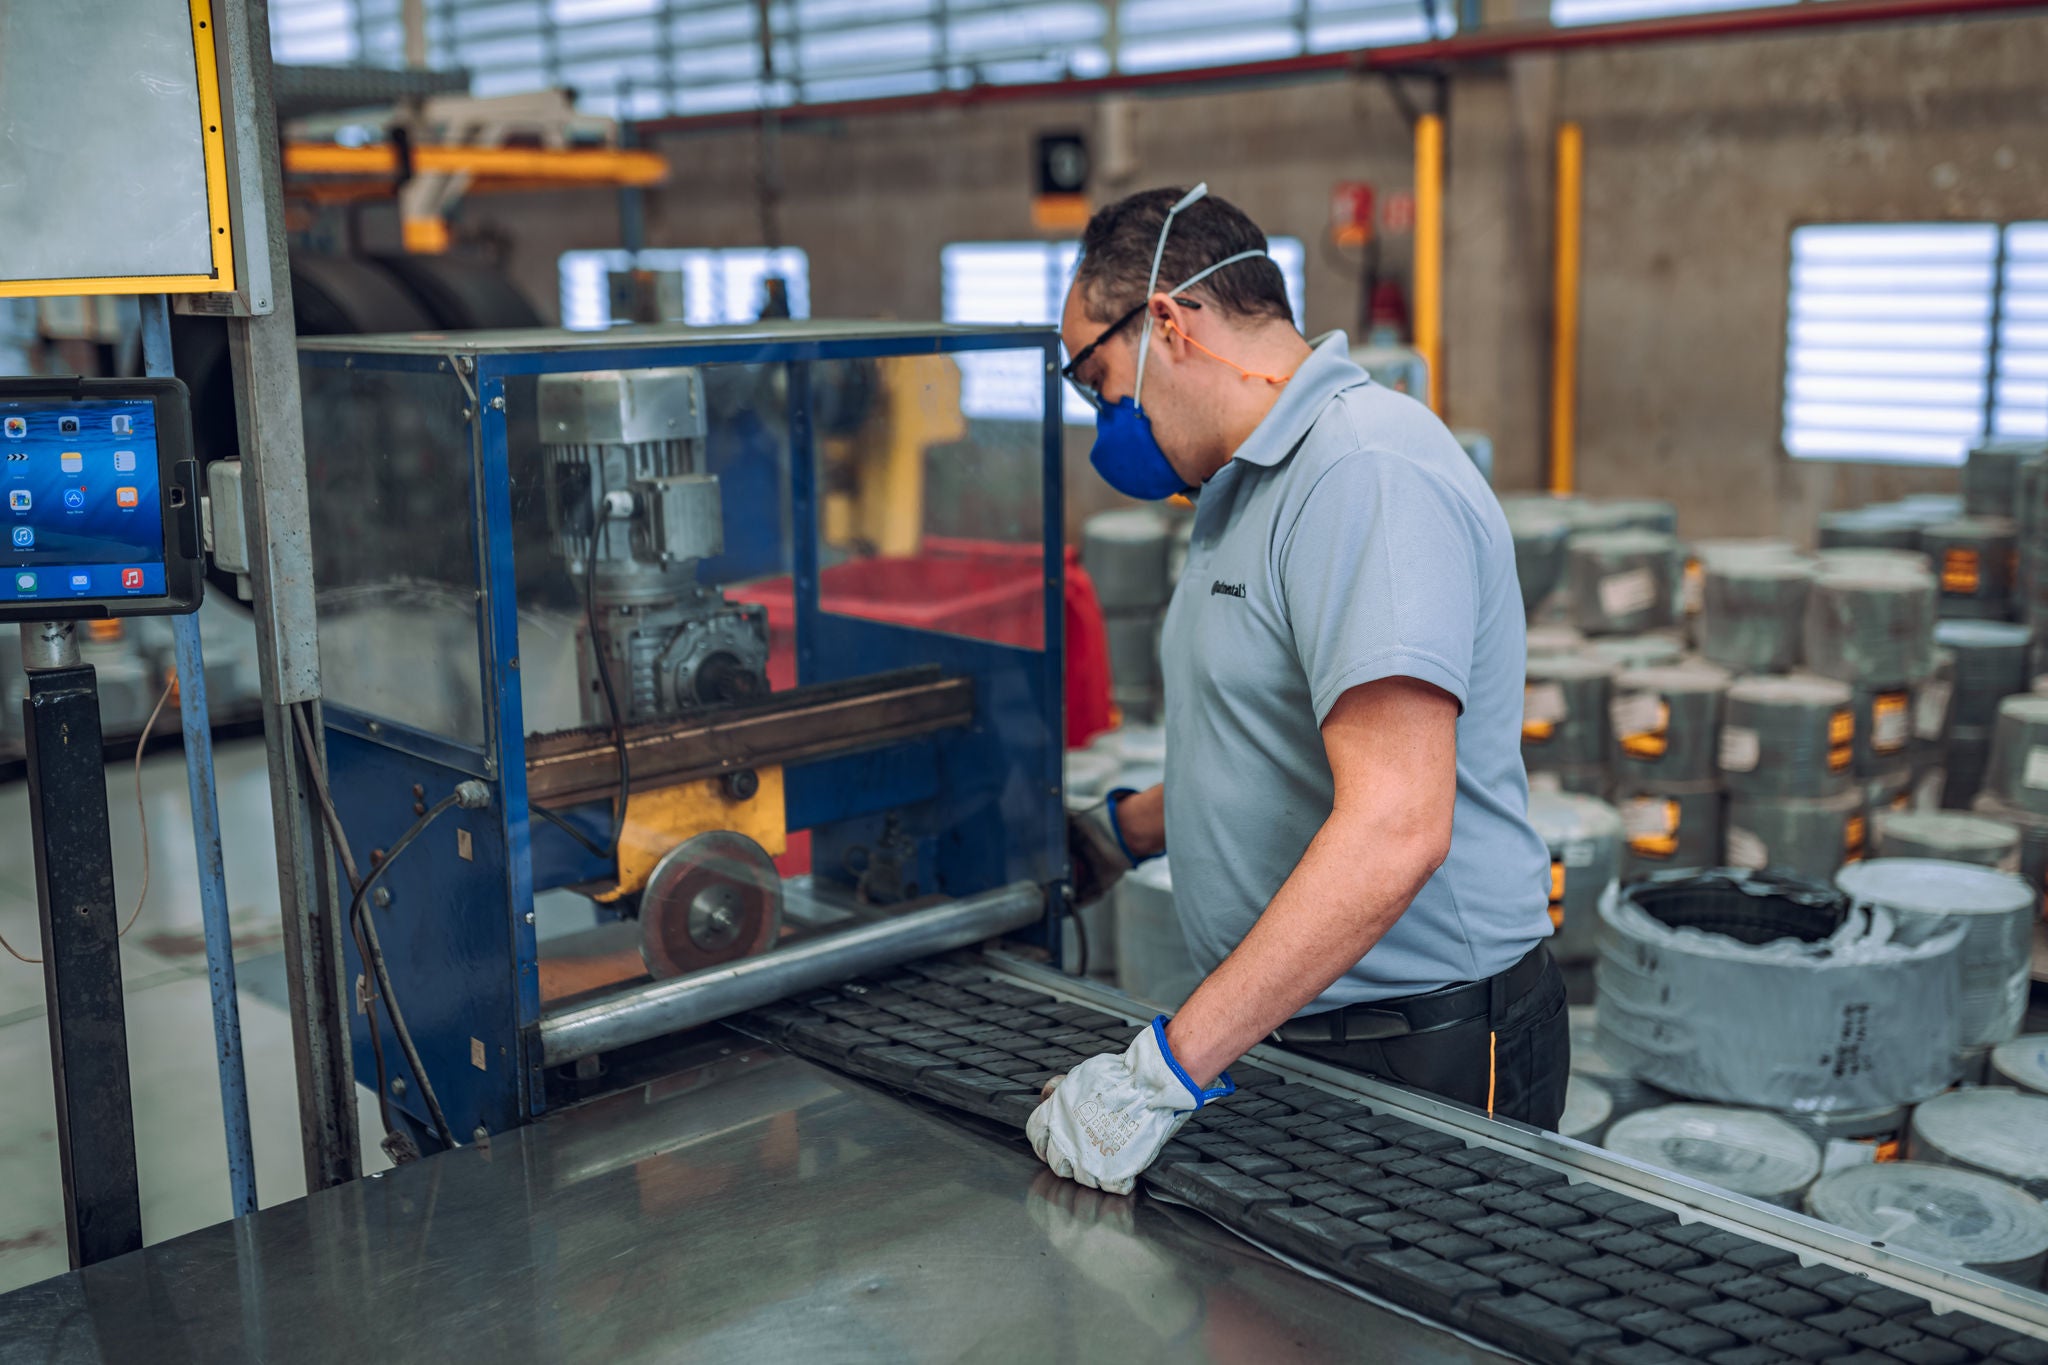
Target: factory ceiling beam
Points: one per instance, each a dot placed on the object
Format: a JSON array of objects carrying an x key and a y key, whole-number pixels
[{"x": 1485, "y": 45}]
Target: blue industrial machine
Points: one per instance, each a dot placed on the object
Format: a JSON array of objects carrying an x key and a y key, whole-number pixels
[{"x": 769, "y": 579}]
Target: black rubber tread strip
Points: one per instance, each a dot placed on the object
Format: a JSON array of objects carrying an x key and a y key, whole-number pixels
[{"x": 1487, "y": 1241}]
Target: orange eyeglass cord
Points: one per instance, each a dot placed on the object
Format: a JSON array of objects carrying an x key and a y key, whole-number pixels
[{"x": 1248, "y": 374}]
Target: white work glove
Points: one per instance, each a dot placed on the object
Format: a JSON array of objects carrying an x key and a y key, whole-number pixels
[{"x": 1103, "y": 1122}]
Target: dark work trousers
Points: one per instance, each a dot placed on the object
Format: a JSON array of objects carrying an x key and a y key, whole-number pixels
[{"x": 1525, "y": 1055}]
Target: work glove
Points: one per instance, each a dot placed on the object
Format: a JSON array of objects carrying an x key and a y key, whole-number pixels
[
  {"x": 1096, "y": 849},
  {"x": 1103, "y": 1122}
]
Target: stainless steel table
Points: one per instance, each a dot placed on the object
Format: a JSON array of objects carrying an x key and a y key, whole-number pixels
[{"x": 751, "y": 1207}]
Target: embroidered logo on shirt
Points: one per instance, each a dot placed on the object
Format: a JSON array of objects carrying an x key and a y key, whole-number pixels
[{"x": 1221, "y": 589}]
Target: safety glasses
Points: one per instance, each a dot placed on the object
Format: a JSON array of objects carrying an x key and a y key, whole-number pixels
[{"x": 1071, "y": 369}]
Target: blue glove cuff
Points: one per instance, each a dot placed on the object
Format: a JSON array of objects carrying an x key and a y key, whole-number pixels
[
  {"x": 1224, "y": 1085},
  {"x": 1116, "y": 827}
]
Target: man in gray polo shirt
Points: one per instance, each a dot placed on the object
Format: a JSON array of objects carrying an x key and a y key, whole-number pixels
[{"x": 1345, "y": 802}]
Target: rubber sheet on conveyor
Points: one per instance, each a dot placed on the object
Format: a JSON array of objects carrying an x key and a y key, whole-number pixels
[{"x": 1505, "y": 1249}]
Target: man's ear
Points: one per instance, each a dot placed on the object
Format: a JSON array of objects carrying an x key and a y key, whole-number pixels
[{"x": 1169, "y": 321}]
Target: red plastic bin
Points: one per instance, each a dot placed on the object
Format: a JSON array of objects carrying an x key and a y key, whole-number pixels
[{"x": 986, "y": 590}]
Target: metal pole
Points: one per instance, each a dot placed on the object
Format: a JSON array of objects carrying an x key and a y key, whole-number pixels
[
  {"x": 213, "y": 890},
  {"x": 1564, "y": 311},
  {"x": 67, "y": 807},
  {"x": 686, "y": 1002},
  {"x": 1429, "y": 251},
  {"x": 264, "y": 351}
]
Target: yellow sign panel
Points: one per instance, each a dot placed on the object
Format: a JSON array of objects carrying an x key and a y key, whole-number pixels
[{"x": 32, "y": 28}]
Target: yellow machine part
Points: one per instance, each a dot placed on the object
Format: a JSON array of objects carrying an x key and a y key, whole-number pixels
[
  {"x": 883, "y": 512},
  {"x": 656, "y": 821}
]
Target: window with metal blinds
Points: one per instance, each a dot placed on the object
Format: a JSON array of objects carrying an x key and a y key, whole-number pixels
[
  {"x": 721, "y": 285},
  {"x": 1912, "y": 341},
  {"x": 1026, "y": 282},
  {"x": 647, "y": 58},
  {"x": 1571, "y": 12}
]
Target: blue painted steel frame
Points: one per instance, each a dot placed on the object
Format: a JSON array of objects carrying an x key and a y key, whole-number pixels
[{"x": 469, "y": 981}]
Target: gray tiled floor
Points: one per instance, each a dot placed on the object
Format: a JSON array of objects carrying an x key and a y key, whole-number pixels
[{"x": 180, "y": 1152}]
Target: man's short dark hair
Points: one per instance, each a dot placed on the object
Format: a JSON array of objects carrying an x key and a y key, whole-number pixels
[{"x": 1116, "y": 257}]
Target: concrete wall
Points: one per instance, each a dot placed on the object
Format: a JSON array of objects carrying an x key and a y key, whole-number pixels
[{"x": 1699, "y": 160}]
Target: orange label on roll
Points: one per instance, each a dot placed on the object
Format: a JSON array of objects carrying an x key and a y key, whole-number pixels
[
  {"x": 1652, "y": 826},
  {"x": 1960, "y": 571},
  {"x": 1556, "y": 894},
  {"x": 1853, "y": 835},
  {"x": 1841, "y": 739},
  {"x": 1889, "y": 728}
]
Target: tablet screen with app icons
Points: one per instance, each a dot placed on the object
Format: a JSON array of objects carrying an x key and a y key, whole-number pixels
[{"x": 86, "y": 501}]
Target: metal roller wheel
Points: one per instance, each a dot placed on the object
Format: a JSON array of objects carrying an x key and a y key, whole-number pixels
[{"x": 715, "y": 898}]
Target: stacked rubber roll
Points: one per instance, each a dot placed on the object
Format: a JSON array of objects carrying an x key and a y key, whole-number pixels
[
  {"x": 1873, "y": 559},
  {"x": 1998, "y": 1131},
  {"x": 1584, "y": 837},
  {"x": 1598, "y": 516},
  {"x": 1554, "y": 638},
  {"x": 1666, "y": 723},
  {"x": 1996, "y": 911},
  {"x": 1933, "y": 721},
  {"x": 1991, "y": 662},
  {"x": 1786, "y": 752},
  {"x": 1565, "y": 731},
  {"x": 1868, "y": 528},
  {"x": 2018, "y": 771},
  {"x": 2016, "y": 783},
  {"x": 1775, "y": 993},
  {"x": 1976, "y": 561},
  {"x": 2030, "y": 592},
  {"x": 1653, "y": 650},
  {"x": 1623, "y": 582},
  {"x": 1744, "y": 1150},
  {"x": 2022, "y": 1063},
  {"x": 1952, "y": 1215},
  {"x": 1870, "y": 623},
  {"x": 2030, "y": 489},
  {"x": 1125, "y": 552},
  {"x": 1752, "y": 610},
  {"x": 1540, "y": 527},
  {"x": 1991, "y": 476},
  {"x": 1947, "y": 835}
]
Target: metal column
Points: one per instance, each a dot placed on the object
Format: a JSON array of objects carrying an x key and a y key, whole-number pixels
[
  {"x": 264, "y": 351},
  {"x": 213, "y": 892},
  {"x": 67, "y": 801}
]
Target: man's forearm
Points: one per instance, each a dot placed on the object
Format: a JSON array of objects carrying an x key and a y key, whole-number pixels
[
  {"x": 1141, "y": 819},
  {"x": 1348, "y": 889}
]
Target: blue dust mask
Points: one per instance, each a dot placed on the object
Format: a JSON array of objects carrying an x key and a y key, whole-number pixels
[{"x": 1128, "y": 457}]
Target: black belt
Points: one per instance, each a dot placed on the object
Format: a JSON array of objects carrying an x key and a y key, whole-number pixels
[{"x": 1465, "y": 1003}]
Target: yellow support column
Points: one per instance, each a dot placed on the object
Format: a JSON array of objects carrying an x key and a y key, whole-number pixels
[
  {"x": 1564, "y": 313},
  {"x": 1429, "y": 251}
]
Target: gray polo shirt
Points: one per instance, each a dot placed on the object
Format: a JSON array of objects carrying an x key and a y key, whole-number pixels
[{"x": 1349, "y": 539}]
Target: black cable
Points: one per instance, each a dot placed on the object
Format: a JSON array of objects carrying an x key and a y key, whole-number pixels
[
  {"x": 348, "y": 869},
  {"x": 1080, "y": 939},
  {"x": 591, "y": 845},
  {"x": 364, "y": 930},
  {"x": 368, "y": 927},
  {"x": 611, "y": 705}
]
